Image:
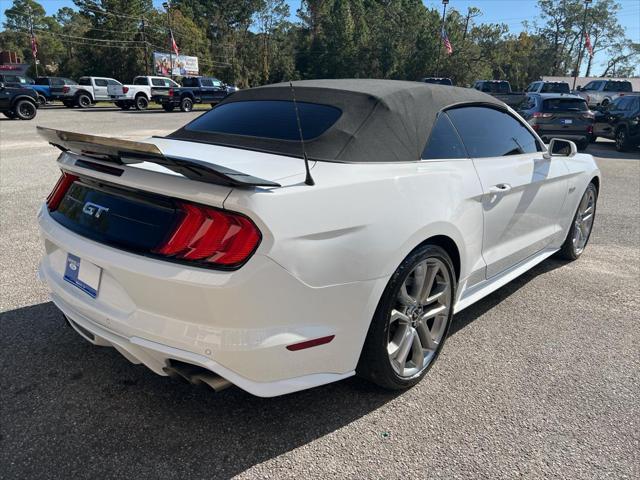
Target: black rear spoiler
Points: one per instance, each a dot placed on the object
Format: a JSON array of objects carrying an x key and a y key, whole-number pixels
[{"x": 123, "y": 152}]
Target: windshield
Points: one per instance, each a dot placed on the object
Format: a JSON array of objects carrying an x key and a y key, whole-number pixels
[
  {"x": 140, "y": 81},
  {"x": 560, "y": 87},
  {"x": 274, "y": 119},
  {"x": 564, "y": 105}
]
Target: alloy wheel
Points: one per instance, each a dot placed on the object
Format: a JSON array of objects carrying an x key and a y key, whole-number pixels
[
  {"x": 27, "y": 110},
  {"x": 418, "y": 323},
  {"x": 584, "y": 221}
]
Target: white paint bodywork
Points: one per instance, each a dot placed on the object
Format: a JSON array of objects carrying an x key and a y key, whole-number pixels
[{"x": 326, "y": 256}]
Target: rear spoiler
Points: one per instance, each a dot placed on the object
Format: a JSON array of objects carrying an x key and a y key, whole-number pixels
[{"x": 124, "y": 152}]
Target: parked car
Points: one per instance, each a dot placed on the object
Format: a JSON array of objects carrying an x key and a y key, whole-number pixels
[
  {"x": 18, "y": 102},
  {"x": 557, "y": 115},
  {"x": 548, "y": 87},
  {"x": 141, "y": 92},
  {"x": 437, "y": 80},
  {"x": 20, "y": 81},
  {"x": 85, "y": 93},
  {"x": 196, "y": 90},
  {"x": 603, "y": 92},
  {"x": 252, "y": 258},
  {"x": 500, "y": 89},
  {"x": 620, "y": 121},
  {"x": 44, "y": 84}
]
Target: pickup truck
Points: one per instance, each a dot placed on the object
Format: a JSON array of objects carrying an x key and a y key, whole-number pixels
[
  {"x": 600, "y": 93},
  {"x": 548, "y": 87},
  {"x": 19, "y": 81},
  {"x": 18, "y": 102},
  {"x": 196, "y": 90},
  {"x": 500, "y": 89},
  {"x": 85, "y": 93},
  {"x": 43, "y": 85},
  {"x": 141, "y": 92}
]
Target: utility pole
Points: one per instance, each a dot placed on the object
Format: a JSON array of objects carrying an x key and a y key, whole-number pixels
[
  {"x": 167, "y": 6},
  {"x": 466, "y": 24},
  {"x": 146, "y": 49},
  {"x": 444, "y": 13},
  {"x": 576, "y": 71},
  {"x": 34, "y": 45}
]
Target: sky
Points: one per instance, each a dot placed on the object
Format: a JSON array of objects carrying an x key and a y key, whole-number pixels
[{"x": 511, "y": 12}]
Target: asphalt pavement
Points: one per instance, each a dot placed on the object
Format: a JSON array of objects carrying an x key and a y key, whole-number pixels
[{"x": 539, "y": 380}]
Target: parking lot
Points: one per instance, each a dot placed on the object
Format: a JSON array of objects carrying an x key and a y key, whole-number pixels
[{"x": 539, "y": 380}]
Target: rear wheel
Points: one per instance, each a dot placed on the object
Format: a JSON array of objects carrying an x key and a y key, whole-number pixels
[
  {"x": 42, "y": 100},
  {"x": 83, "y": 100},
  {"x": 622, "y": 140},
  {"x": 411, "y": 322},
  {"x": 25, "y": 110},
  {"x": 141, "y": 102},
  {"x": 186, "y": 104},
  {"x": 581, "y": 227}
]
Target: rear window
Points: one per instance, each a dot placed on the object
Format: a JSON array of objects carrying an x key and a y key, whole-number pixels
[
  {"x": 564, "y": 105},
  {"x": 190, "y": 82},
  {"x": 275, "y": 119},
  {"x": 560, "y": 87},
  {"x": 84, "y": 81},
  {"x": 140, "y": 81},
  {"x": 496, "y": 87}
]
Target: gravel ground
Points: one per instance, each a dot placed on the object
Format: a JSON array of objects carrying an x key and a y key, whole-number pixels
[{"x": 539, "y": 380}]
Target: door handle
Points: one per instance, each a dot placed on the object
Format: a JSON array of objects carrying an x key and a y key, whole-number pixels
[{"x": 500, "y": 188}]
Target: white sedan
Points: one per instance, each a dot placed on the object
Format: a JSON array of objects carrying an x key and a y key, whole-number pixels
[{"x": 215, "y": 255}]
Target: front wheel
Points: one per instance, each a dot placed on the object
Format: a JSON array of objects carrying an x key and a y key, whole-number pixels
[
  {"x": 25, "y": 110},
  {"x": 581, "y": 227},
  {"x": 622, "y": 141},
  {"x": 411, "y": 322},
  {"x": 83, "y": 100},
  {"x": 186, "y": 104},
  {"x": 141, "y": 102}
]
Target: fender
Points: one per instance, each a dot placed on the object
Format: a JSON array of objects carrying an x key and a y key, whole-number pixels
[{"x": 24, "y": 97}]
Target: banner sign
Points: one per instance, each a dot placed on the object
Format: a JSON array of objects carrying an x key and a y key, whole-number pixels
[{"x": 182, "y": 64}]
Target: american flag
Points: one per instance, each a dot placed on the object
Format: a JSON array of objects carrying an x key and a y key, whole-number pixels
[
  {"x": 174, "y": 45},
  {"x": 447, "y": 43},
  {"x": 587, "y": 44}
]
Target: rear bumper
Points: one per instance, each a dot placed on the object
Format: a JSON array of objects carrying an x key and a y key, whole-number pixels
[
  {"x": 547, "y": 135},
  {"x": 236, "y": 324}
]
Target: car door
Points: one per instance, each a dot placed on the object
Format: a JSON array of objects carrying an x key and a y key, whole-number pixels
[
  {"x": 614, "y": 113},
  {"x": 207, "y": 91},
  {"x": 523, "y": 191},
  {"x": 100, "y": 88},
  {"x": 220, "y": 92}
]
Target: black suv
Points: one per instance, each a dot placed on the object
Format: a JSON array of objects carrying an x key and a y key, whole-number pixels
[
  {"x": 620, "y": 121},
  {"x": 16, "y": 102},
  {"x": 556, "y": 115}
]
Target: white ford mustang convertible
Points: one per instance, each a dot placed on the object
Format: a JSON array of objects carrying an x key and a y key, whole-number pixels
[{"x": 298, "y": 234}]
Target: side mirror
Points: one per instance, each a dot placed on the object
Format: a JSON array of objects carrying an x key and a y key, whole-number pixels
[{"x": 559, "y": 147}]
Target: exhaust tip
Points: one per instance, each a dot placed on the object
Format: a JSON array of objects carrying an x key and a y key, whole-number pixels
[{"x": 196, "y": 375}]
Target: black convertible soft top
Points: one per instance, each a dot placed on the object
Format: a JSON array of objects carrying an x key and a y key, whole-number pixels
[{"x": 381, "y": 120}]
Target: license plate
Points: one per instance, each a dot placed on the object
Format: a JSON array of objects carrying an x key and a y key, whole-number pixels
[
  {"x": 567, "y": 121},
  {"x": 83, "y": 274}
]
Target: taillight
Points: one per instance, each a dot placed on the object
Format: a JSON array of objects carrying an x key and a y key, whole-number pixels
[
  {"x": 542, "y": 115},
  {"x": 58, "y": 192},
  {"x": 125, "y": 89},
  {"x": 65, "y": 89},
  {"x": 215, "y": 237},
  {"x": 171, "y": 92}
]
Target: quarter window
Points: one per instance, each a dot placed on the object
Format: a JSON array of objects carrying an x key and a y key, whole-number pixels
[
  {"x": 444, "y": 141},
  {"x": 488, "y": 132}
]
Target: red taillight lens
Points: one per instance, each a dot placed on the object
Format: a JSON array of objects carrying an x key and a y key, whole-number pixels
[
  {"x": 65, "y": 89},
  {"x": 171, "y": 92},
  {"x": 206, "y": 234},
  {"x": 125, "y": 89},
  {"x": 58, "y": 192}
]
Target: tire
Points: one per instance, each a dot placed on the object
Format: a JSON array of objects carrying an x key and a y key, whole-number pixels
[
  {"x": 9, "y": 114},
  {"x": 167, "y": 107},
  {"x": 141, "y": 102},
  {"x": 186, "y": 104},
  {"x": 41, "y": 100},
  {"x": 83, "y": 100},
  {"x": 400, "y": 320},
  {"x": 574, "y": 245},
  {"x": 605, "y": 102},
  {"x": 25, "y": 110},
  {"x": 622, "y": 140}
]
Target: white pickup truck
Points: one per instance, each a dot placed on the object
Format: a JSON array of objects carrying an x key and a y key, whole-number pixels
[
  {"x": 141, "y": 92},
  {"x": 85, "y": 93}
]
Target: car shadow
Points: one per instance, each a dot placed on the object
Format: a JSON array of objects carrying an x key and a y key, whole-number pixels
[{"x": 79, "y": 407}]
